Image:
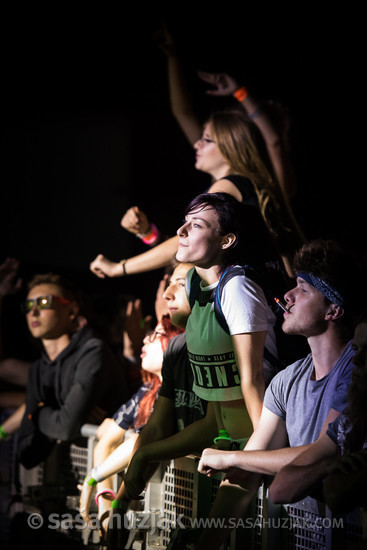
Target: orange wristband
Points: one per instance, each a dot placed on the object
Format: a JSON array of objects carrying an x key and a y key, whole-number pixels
[{"x": 241, "y": 93}]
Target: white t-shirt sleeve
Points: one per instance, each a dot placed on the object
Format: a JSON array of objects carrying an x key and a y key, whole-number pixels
[{"x": 244, "y": 306}]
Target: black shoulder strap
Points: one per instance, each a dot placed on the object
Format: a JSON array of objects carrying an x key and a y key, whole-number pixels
[
  {"x": 227, "y": 275},
  {"x": 192, "y": 283},
  {"x": 254, "y": 275}
]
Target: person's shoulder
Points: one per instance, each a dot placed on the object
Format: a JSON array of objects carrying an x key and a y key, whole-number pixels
[
  {"x": 87, "y": 342},
  {"x": 241, "y": 280},
  {"x": 224, "y": 185},
  {"x": 347, "y": 356},
  {"x": 293, "y": 371},
  {"x": 84, "y": 335},
  {"x": 176, "y": 345},
  {"x": 237, "y": 185},
  {"x": 87, "y": 338}
]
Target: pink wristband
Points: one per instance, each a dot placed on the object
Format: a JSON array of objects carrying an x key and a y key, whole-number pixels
[
  {"x": 104, "y": 492},
  {"x": 152, "y": 235}
]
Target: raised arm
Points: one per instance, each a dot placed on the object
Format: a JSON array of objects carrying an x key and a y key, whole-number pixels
[
  {"x": 136, "y": 222},
  {"x": 156, "y": 258},
  {"x": 179, "y": 93}
]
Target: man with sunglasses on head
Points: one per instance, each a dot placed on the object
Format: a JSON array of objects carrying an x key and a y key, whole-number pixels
[{"x": 76, "y": 380}]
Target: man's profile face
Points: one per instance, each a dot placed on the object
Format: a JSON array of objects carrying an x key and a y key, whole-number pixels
[{"x": 306, "y": 310}]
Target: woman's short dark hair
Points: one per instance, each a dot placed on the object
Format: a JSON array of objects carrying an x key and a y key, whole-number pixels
[{"x": 253, "y": 241}]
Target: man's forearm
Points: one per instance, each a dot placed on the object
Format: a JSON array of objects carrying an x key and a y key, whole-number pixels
[
  {"x": 295, "y": 482},
  {"x": 265, "y": 462}
]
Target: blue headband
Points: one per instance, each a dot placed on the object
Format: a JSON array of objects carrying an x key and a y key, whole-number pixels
[{"x": 328, "y": 291}]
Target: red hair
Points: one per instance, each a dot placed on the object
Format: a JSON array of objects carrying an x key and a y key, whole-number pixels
[{"x": 147, "y": 402}]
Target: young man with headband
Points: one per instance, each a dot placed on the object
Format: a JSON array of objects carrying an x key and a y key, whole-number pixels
[{"x": 305, "y": 397}]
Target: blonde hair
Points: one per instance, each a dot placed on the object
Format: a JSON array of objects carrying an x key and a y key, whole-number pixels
[{"x": 245, "y": 152}]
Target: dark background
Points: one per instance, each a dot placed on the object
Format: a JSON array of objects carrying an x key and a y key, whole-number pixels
[{"x": 87, "y": 131}]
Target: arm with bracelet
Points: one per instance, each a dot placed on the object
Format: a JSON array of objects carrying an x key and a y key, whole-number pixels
[
  {"x": 222, "y": 440},
  {"x": 159, "y": 256},
  {"x": 156, "y": 258},
  {"x": 111, "y": 455},
  {"x": 12, "y": 423},
  {"x": 135, "y": 221},
  {"x": 100, "y": 478},
  {"x": 149, "y": 450},
  {"x": 268, "y": 117}
]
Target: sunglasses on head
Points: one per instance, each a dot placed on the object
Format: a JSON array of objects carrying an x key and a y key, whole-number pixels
[{"x": 43, "y": 302}]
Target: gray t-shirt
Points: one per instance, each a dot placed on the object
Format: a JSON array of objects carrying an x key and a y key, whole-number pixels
[{"x": 304, "y": 403}]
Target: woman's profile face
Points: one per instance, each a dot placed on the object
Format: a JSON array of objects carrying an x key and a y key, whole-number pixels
[
  {"x": 152, "y": 351},
  {"x": 200, "y": 242},
  {"x": 208, "y": 156}
]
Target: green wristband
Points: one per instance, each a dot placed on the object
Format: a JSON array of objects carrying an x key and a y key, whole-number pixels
[
  {"x": 91, "y": 481},
  {"x": 222, "y": 434},
  {"x": 117, "y": 503},
  {"x": 3, "y": 433}
]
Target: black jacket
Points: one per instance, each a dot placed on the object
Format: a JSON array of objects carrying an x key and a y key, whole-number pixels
[{"x": 85, "y": 374}]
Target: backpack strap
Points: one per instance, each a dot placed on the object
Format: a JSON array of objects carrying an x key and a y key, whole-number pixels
[
  {"x": 192, "y": 285},
  {"x": 256, "y": 277}
]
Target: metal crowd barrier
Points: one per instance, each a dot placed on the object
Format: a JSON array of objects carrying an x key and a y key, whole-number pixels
[{"x": 177, "y": 495}]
